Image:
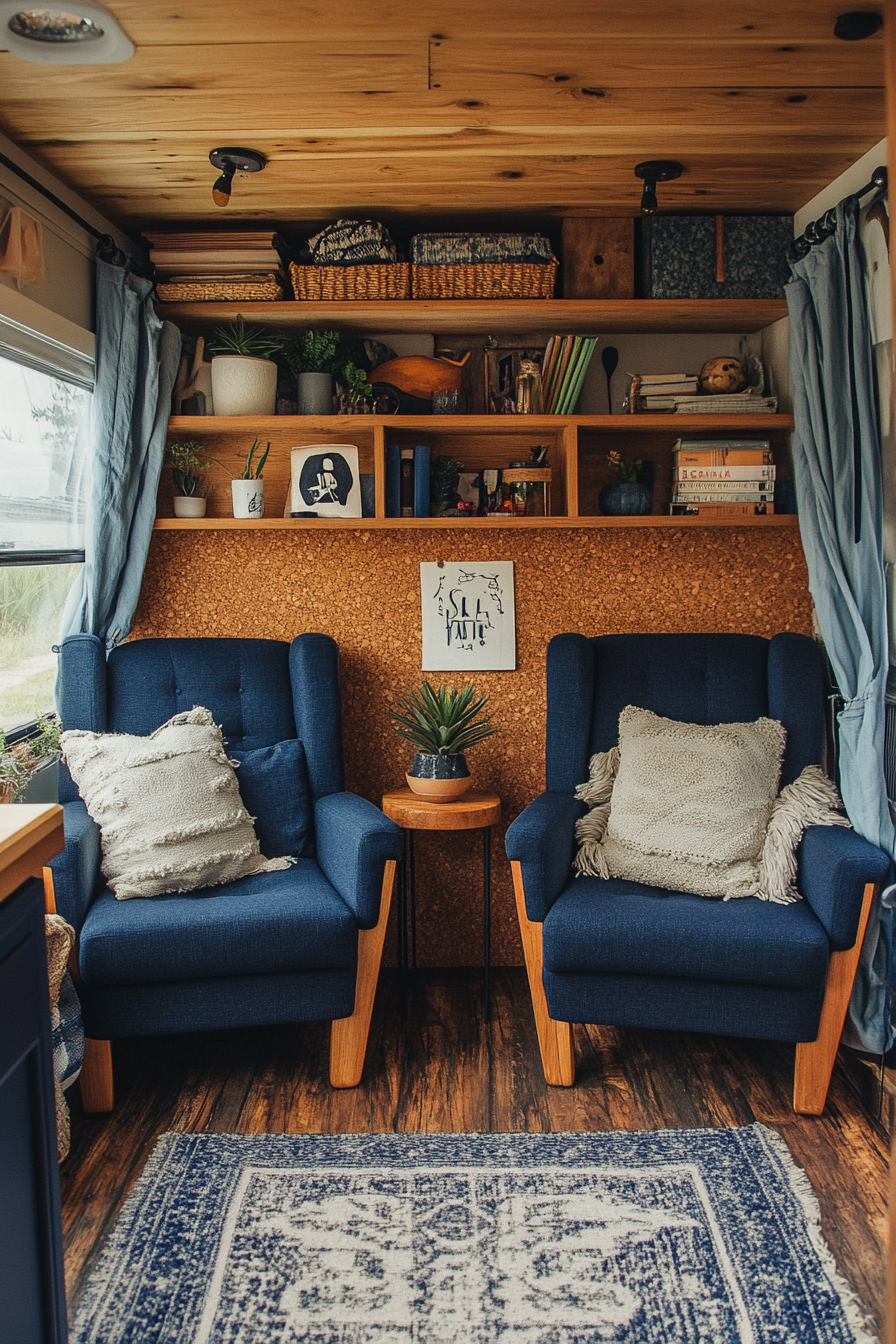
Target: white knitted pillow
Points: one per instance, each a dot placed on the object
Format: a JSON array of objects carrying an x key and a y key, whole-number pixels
[{"x": 168, "y": 807}]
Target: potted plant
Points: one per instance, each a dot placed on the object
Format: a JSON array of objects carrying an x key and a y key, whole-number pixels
[
  {"x": 628, "y": 494},
  {"x": 188, "y": 467},
  {"x": 23, "y": 760},
  {"x": 248, "y": 491},
  {"x": 442, "y": 725},
  {"x": 244, "y": 375},
  {"x": 315, "y": 357}
]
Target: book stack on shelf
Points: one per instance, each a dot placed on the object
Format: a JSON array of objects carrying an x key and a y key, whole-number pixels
[
  {"x": 563, "y": 367},
  {"x": 722, "y": 478},
  {"x": 651, "y": 392},
  {"x": 200, "y": 267},
  {"x": 407, "y": 480}
]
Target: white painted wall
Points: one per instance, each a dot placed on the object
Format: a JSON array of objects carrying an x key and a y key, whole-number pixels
[{"x": 856, "y": 177}]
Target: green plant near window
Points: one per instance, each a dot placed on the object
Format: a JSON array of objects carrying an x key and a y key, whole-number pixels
[
  {"x": 237, "y": 338},
  {"x": 252, "y": 472},
  {"x": 188, "y": 466},
  {"x": 20, "y": 762},
  {"x": 443, "y": 722}
]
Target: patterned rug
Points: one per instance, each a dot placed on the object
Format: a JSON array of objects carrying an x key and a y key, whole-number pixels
[{"x": 673, "y": 1237}]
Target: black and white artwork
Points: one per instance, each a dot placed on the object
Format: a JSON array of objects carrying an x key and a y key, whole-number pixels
[
  {"x": 325, "y": 481},
  {"x": 468, "y": 616}
]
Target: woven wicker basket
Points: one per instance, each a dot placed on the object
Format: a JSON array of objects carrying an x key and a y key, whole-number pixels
[
  {"x": 265, "y": 288},
  {"x": 486, "y": 280},
  {"x": 385, "y": 280}
]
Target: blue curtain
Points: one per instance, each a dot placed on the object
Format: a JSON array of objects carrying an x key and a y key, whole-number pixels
[
  {"x": 136, "y": 362},
  {"x": 837, "y": 470}
]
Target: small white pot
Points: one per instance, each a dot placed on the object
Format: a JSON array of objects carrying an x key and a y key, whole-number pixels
[
  {"x": 242, "y": 385},
  {"x": 189, "y": 506},
  {"x": 315, "y": 394},
  {"x": 248, "y": 498}
]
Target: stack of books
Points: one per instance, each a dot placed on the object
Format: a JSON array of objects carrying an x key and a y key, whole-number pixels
[
  {"x": 210, "y": 263},
  {"x": 722, "y": 478},
  {"x": 407, "y": 480},
  {"x": 563, "y": 367},
  {"x": 662, "y": 391}
]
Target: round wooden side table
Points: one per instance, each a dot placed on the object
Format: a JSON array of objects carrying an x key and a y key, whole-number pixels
[{"x": 476, "y": 810}]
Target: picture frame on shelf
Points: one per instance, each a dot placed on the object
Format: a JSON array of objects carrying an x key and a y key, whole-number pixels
[{"x": 325, "y": 482}]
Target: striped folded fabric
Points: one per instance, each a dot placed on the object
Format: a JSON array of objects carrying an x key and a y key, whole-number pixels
[{"x": 447, "y": 249}]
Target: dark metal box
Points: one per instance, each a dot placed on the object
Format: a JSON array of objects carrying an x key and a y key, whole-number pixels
[{"x": 679, "y": 256}]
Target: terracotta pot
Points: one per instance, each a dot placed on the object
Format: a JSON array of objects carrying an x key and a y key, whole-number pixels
[{"x": 440, "y": 779}]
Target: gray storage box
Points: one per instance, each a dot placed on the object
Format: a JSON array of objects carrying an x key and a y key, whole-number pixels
[{"x": 678, "y": 256}]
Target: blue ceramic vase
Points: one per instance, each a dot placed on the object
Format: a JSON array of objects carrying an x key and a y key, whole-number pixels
[
  {"x": 440, "y": 779},
  {"x": 624, "y": 497}
]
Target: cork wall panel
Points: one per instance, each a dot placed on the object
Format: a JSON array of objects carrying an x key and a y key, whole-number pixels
[{"x": 362, "y": 588}]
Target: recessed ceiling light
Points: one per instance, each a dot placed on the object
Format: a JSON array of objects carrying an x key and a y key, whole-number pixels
[{"x": 85, "y": 34}]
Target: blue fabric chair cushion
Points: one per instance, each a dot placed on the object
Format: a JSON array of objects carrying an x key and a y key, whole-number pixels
[
  {"x": 622, "y": 927},
  {"x": 273, "y": 784},
  {"x": 270, "y": 922}
]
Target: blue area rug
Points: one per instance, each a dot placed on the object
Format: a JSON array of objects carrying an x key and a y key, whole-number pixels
[{"x": 673, "y": 1237}]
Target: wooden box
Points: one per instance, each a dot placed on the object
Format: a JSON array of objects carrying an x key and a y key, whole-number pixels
[{"x": 598, "y": 258}]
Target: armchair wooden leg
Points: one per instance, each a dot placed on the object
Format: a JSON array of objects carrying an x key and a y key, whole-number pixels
[
  {"x": 554, "y": 1038},
  {"x": 815, "y": 1059},
  {"x": 348, "y": 1035},
  {"x": 95, "y": 1077}
]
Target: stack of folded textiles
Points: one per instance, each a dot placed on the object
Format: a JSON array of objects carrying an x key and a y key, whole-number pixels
[
  {"x": 482, "y": 265},
  {"x": 217, "y": 266},
  {"x": 722, "y": 478}
]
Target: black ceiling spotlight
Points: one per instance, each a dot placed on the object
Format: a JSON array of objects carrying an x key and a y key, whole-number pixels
[
  {"x": 653, "y": 171},
  {"x": 861, "y": 23},
  {"x": 232, "y": 161}
]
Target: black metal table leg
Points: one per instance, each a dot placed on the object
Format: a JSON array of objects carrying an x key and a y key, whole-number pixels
[
  {"x": 487, "y": 921},
  {"x": 402, "y": 931},
  {"x": 413, "y": 899}
]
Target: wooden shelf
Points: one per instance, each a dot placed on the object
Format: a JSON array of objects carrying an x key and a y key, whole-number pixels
[
  {"x": 483, "y": 317},
  {"x": 495, "y": 424},
  {"x": 497, "y": 522}
]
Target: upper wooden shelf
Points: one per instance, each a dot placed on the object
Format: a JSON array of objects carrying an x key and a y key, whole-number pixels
[
  {"x": 495, "y": 424},
  {"x": 482, "y": 317},
  {"x": 494, "y": 522}
]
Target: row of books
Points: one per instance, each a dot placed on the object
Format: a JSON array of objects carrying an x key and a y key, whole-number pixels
[
  {"x": 663, "y": 391},
  {"x": 651, "y": 393},
  {"x": 407, "y": 481},
  {"x": 563, "y": 367},
  {"x": 722, "y": 477}
]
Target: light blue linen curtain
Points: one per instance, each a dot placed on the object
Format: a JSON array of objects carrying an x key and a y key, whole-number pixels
[
  {"x": 837, "y": 470},
  {"x": 136, "y": 363}
]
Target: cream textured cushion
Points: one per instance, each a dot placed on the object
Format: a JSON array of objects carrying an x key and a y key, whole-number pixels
[
  {"x": 690, "y": 804},
  {"x": 168, "y": 807}
]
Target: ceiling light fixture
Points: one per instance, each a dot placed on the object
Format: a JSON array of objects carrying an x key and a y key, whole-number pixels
[
  {"x": 232, "y": 161},
  {"x": 86, "y": 34},
  {"x": 653, "y": 171},
  {"x": 856, "y": 25}
]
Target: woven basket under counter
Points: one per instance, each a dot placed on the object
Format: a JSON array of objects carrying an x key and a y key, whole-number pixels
[
  {"x": 264, "y": 290},
  {"x": 485, "y": 280},
  {"x": 386, "y": 280}
]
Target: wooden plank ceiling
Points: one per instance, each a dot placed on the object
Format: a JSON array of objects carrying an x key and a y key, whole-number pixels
[{"x": 481, "y": 109}]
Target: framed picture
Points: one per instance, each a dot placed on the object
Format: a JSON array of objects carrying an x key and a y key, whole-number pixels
[
  {"x": 325, "y": 481},
  {"x": 501, "y": 369},
  {"x": 468, "y": 616}
]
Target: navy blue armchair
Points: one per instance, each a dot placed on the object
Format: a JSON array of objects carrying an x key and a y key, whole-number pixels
[
  {"x": 300, "y": 945},
  {"x": 620, "y": 953}
]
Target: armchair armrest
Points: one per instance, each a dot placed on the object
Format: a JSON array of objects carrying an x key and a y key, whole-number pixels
[
  {"x": 835, "y": 865},
  {"x": 543, "y": 840},
  {"x": 354, "y": 841},
  {"x": 76, "y": 869}
]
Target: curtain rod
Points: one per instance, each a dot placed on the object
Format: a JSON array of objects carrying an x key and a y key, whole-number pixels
[
  {"x": 824, "y": 226},
  {"x": 106, "y": 247}
]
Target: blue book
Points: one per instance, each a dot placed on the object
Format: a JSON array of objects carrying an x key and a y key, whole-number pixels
[
  {"x": 422, "y": 461},
  {"x": 393, "y": 480}
]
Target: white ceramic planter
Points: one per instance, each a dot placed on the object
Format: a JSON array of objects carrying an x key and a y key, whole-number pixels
[
  {"x": 189, "y": 506},
  {"x": 248, "y": 498},
  {"x": 244, "y": 386},
  {"x": 315, "y": 394}
]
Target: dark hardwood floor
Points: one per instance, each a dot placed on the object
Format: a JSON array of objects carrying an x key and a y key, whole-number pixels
[{"x": 442, "y": 1070}]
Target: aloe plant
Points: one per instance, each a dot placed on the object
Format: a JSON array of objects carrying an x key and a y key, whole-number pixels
[
  {"x": 442, "y": 722},
  {"x": 250, "y": 472},
  {"x": 239, "y": 339}
]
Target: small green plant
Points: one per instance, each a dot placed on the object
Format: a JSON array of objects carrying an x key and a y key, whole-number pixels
[
  {"x": 442, "y": 722},
  {"x": 21, "y": 761},
  {"x": 239, "y": 339},
  {"x": 314, "y": 352},
  {"x": 443, "y": 481},
  {"x": 354, "y": 380},
  {"x": 188, "y": 465},
  {"x": 626, "y": 471},
  {"x": 253, "y": 472}
]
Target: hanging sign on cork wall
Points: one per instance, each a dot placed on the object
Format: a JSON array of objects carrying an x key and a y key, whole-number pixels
[{"x": 468, "y": 616}]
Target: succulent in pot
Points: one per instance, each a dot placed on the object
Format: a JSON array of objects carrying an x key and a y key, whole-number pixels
[
  {"x": 244, "y": 375},
  {"x": 248, "y": 491},
  {"x": 442, "y": 725},
  {"x": 188, "y": 467}
]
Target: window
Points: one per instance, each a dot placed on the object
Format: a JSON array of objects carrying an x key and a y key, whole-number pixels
[{"x": 45, "y": 400}]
